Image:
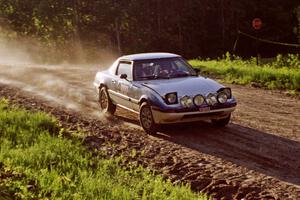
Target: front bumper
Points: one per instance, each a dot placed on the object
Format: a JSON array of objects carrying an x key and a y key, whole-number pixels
[{"x": 161, "y": 117}]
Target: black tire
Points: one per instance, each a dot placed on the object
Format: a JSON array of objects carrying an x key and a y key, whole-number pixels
[
  {"x": 221, "y": 122},
  {"x": 105, "y": 102},
  {"x": 146, "y": 119}
]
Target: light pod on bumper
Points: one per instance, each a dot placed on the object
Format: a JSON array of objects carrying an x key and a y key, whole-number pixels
[
  {"x": 199, "y": 100},
  {"x": 211, "y": 99},
  {"x": 186, "y": 101},
  {"x": 222, "y": 97}
]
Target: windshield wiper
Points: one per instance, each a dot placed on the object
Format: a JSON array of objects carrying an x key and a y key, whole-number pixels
[
  {"x": 181, "y": 74},
  {"x": 147, "y": 77},
  {"x": 154, "y": 77},
  {"x": 162, "y": 77}
]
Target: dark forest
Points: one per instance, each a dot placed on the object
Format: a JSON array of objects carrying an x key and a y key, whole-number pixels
[{"x": 193, "y": 28}]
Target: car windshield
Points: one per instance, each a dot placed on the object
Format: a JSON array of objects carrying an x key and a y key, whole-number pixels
[{"x": 165, "y": 68}]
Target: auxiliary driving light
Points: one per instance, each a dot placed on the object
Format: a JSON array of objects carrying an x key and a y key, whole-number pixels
[
  {"x": 222, "y": 97},
  {"x": 186, "y": 101},
  {"x": 198, "y": 100},
  {"x": 211, "y": 99}
]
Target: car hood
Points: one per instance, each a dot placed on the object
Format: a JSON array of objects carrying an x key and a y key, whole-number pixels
[{"x": 184, "y": 86}]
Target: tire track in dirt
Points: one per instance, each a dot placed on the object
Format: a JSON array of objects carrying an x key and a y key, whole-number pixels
[
  {"x": 255, "y": 157},
  {"x": 268, "y": 111},
  {"x": 256, "y": 150}
]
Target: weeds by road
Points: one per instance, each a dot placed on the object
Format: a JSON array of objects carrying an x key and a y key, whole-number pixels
[
  {"x": 281, "y": 73},
  {"x": 38, "y": 162}
]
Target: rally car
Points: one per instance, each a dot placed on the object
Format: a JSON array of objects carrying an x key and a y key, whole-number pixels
[{"x": 162, "y": 88}]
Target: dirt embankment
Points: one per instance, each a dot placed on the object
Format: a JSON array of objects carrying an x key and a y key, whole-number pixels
[{"x": 255, "y": 157}]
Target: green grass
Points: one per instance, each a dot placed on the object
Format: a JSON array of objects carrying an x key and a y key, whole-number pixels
[
  {"x": 37, "y": 162},
  {"x": 280, "y": 73}
]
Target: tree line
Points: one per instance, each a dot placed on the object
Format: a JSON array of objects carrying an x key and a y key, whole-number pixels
[{"x": 193, "y": 28}]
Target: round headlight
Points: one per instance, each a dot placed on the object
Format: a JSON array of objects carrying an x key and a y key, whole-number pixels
[
  {"x": 222, "y": 97},
  {"x": 186, "y": 101},
  {"x": 171, "y": 98},
  {"x": 198, "y": 100},
  {"x": 211, "y": 99}
]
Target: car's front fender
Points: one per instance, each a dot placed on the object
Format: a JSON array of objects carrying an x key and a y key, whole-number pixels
[
  {"x": 156, "y": 100},
  {"x": 102, "y": 78}
]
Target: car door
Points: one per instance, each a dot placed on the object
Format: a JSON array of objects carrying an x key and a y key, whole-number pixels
[{"x": 123, "y": 86}]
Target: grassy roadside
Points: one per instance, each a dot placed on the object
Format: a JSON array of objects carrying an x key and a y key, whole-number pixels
[
  {"x": 279, "y": 74},
  {"x": 37, "y": 162}
]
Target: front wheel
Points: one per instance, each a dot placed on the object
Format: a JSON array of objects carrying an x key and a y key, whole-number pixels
[
  {"x": 221, "y": 122},
  {"x": 106, "y": 105},
  {"x": 146, "y": 119}
]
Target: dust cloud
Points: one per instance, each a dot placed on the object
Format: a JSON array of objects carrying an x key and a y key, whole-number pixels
[
  {"x": 68, "y": 85},
  {"x": 11, "y": 55}
]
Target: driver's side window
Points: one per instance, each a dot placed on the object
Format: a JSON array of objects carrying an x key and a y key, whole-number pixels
[{"x": 125, "y": 68}]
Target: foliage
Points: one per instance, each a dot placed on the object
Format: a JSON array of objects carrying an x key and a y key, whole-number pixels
[
  {"x": 282, "y": 73},
  {"x": 297, "y": 29},
  {"x": 41, "y": 166},
  {"x": 289, "y": 61},
  {"x": 191, "y": 28}
]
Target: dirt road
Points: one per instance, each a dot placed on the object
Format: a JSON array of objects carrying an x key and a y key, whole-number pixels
[{"x": 255, "y": 157}]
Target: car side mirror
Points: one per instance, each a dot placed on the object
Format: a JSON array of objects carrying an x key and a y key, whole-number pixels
[
  {"x": 123, "y": 76},
  {"x": 197, "y": 70}
]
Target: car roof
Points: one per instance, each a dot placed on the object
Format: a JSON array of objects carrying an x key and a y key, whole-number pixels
[{"x": 146, "y": 56}]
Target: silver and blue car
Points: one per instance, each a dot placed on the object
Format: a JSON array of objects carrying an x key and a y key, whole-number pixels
[{"x": 162, "y": 88}]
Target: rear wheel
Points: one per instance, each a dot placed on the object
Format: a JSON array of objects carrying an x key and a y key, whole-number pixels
[
  {"x": 221, "y": 122},
  {"x": 105, "y": 102},
  {"x": 146, "y": 119}
]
